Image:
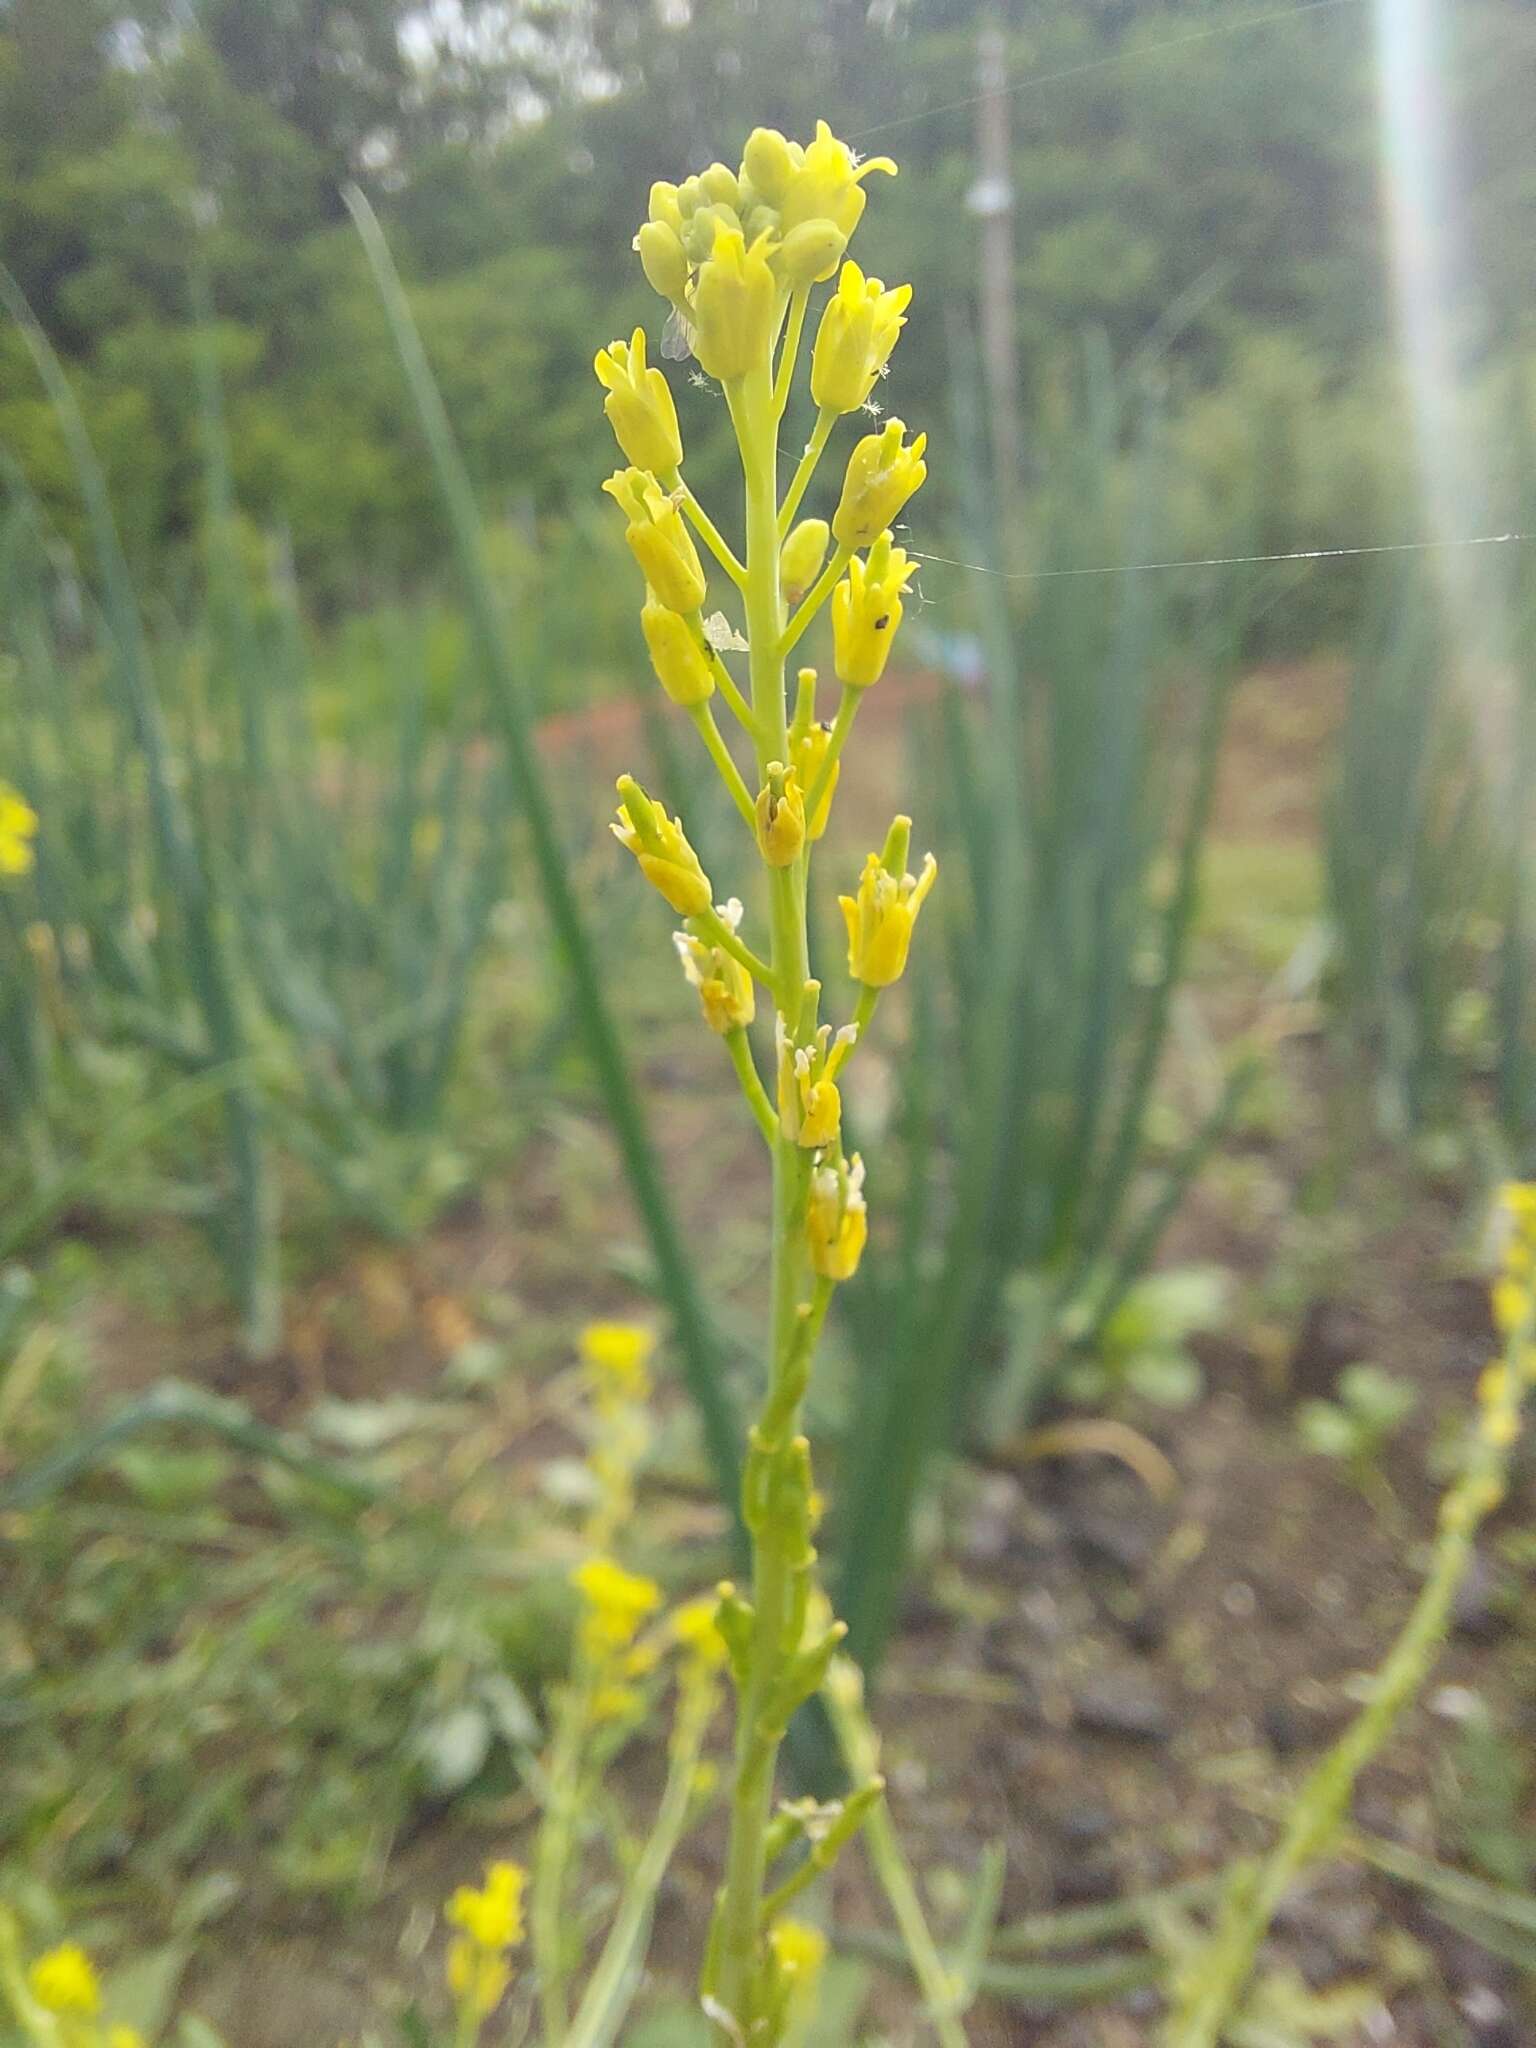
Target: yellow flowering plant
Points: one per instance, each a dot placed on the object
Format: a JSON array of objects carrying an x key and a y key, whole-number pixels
[{"x": 737, "y": 254}]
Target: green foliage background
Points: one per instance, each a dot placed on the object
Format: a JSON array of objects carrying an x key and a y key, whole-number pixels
[{"x": 1160, "y": 160}]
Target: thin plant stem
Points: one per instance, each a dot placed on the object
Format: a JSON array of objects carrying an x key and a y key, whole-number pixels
[
  {"x": 611, "y": 1986},
  {"x": 739, "y": 1047},
  {"x": 719, "y": 933},
  {"x": 816, "y": 597},
  {"x": 820, "y": 435},
  {"x": 799, "y": 300},
  {"x": 842, "y": 725},
  {"x": 860, "y": 1749},
  {"x": 704, "y": 721},
  {"x": 740, "y": 708},
  {"x": 1214, "y": 1984},
  {"x": 707, "y": 530}
]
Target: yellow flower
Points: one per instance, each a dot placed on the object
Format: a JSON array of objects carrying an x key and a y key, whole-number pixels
[
  {"x": 726, "y": 994},
  {"x": 124, "y": 2037},
  {"x": 826, "y": 184},
  {"x": 659, "y": 540},
  {"x": 836, "y": 1221},
  {"x": 810, "y": 1108},
  {"x": 809, "y": 752},
  {"x": 678, "y": 653},
  {"x": 618, "y": 1355},
  {"x": 858, "y": 330},
  {"x": 802, "y": 556},
  {"x": 18, "y": 829},
  {"x": 616, "y": 1603},
  {"x": 491, "y": 1917},
  {"x": 882, "y": 474},
  {"x": 866, "y": 610},
  {"x": 735, "y": 297},
  {"x": 880, "y": 918},
  {"x": 780, "y": 816},
  {"x": 695, "y": 1629},
  {"x": 658, "y": 842},
  {"x": 639, "y": 405},
  {"x": 798, "y": 1951},
  {"x": 63, "y": 1980}
]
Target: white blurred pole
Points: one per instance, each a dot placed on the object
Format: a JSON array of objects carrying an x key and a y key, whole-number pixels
[{"x": 991, "y": 200}]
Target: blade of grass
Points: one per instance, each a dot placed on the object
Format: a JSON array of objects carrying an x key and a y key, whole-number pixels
[{"x": 696, "y": 1344}]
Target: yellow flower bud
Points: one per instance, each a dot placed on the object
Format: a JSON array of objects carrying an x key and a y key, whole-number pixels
[
  {"x": 678, "y": 654},
  {"x": 770, "y": 162},
  {"x": 721, "y": 186},
  {"x": 659, "y": 844},
  {"x": 726, "y": 994},
  {"x": 63, "y": 1980},
  {"x": 836, "y": 1221},
  {"x": 827, "y": 185},
  {"x": 663, "y": 259},
  {"x": 882, "y": 474},
  {"x": 664, "y": 208},
  {"x": 866, "y": 610},
  {"x": 809, "y": 253},
  {"x": 639, "y": 405},
  {"x": 780, "y": 816},
  {"x": 880, "y": 919},
  {"x": 659, "y": 540},
  {"x": 801, "y": 558},
  {"x": 810, "y": 751},
  {"x": 853, "y": 344},
  {"x": 734, "y": 301},
  {"x": 18, "y": 829}
]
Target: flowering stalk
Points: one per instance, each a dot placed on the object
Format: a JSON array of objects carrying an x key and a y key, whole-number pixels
[
  {"x": 737, "y": 254},
  {"x": 1209, "y": 1988}
]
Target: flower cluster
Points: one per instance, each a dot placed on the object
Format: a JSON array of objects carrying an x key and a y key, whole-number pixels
[
  {"x": 490, "y": 1925},
  {"x": 736, "y": 254}
]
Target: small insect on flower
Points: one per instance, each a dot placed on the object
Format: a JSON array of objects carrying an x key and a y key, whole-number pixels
[{"x": 883, "y": 472}]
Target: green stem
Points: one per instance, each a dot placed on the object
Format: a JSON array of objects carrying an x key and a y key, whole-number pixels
[
  {"x": 814, "y": 449},
  {"x": 740, "y": 708},
  {"x": 551, "y": 1859},
  {"x": 739, "y": 1047},
  {"x": 714, "y": 928},
  {"x": 861, "y": 1753},
  {"x": 1217, "y": 1981},
  {"x": 791, "y": 349},
  {"x": 816, "y": 597},
  {"x": 842, "y": 725},
  {"x": 736, "y": 1948},
  {"x": 719, "y": 753},
  {"x": 613, "y": 1982},
  {"x": 708, "y": 532}
]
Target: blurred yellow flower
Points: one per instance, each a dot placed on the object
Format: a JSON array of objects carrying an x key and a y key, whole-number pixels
[
  {"x": 63, "y": 1980},
  {"x": 18, "y": 829}
]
